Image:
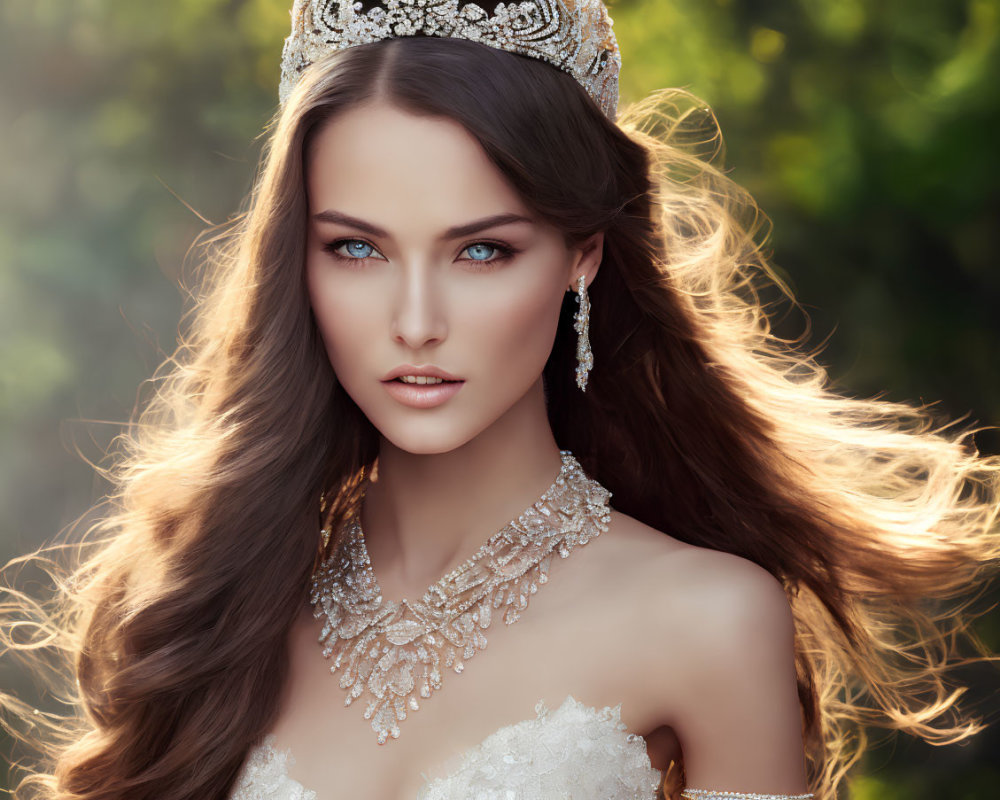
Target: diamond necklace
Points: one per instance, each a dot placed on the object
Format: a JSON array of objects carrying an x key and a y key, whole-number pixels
[{"x": 391, "y": 651}]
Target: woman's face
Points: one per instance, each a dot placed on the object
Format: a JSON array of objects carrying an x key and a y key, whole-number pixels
[{"x": 420, "y": 255}]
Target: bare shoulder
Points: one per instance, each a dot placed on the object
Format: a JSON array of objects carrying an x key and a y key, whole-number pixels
[
  {"x": 698, "y": 616},
  {"x": 729, "y": 598},
  {"x": 715, "y": 640},
  {"x": 736, "y": 626},
  {"x": 698, "y": 593}
]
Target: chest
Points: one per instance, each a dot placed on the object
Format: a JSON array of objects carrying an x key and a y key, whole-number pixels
[{"x": 568, "y": 643}]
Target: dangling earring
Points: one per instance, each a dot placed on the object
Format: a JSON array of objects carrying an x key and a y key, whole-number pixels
[{"x": 581, "y": 324}]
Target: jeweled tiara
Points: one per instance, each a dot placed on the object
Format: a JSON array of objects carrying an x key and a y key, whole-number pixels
[{"x": 574, "y": 35}]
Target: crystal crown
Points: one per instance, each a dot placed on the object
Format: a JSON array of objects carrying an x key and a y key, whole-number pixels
[{"x": 574, "y": 35}]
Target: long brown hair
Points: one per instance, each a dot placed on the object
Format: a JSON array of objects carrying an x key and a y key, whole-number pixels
[{"x": 702, "y": 422}]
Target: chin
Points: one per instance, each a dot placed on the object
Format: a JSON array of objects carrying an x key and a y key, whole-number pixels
[
  {"x": 429, "y": 449},
  {"x": 450, "y": 431},
  {"x": 426, "y": 439}
]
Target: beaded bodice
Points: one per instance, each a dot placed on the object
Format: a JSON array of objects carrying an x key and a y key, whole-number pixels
[{"x": 574, "y": 752}]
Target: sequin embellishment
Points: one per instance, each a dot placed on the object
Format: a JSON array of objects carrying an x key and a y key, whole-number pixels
[{"x": 397, "y": 650}]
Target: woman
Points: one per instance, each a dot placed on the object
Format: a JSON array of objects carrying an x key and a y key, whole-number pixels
[{"x": 468, "y": 322}]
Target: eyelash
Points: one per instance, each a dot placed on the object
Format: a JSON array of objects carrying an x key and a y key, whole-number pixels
[{"x": 505, "y": 253}]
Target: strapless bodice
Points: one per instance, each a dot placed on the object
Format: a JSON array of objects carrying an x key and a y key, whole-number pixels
[{"x": 576, "y": 752}]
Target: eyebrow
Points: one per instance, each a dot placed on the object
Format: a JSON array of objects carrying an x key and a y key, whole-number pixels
[{"x": 455, "y": 232}]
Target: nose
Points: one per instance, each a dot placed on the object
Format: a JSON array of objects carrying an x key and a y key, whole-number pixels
[{"x": 417, "y": 310}]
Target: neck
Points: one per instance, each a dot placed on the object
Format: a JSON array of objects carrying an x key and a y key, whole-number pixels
[{"x": 427, "y": 513}]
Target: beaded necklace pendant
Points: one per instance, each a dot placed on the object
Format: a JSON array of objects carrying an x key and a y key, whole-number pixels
[{"x": 389, "y": 652}]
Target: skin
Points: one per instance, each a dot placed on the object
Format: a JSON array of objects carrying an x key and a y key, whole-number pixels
[{"x": 708, "y": 636}]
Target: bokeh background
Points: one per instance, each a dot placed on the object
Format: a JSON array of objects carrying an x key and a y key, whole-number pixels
[{"x": 866, "y": 129}]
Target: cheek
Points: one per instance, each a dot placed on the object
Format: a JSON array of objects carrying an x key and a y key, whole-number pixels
[
  {"x": 527, "y": 329},
  {"x": 515, "y": 330},
  {"x": 342, "y": 317}
]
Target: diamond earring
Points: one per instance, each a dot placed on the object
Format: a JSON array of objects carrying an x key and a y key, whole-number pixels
[{"x": 581, "y": 324}]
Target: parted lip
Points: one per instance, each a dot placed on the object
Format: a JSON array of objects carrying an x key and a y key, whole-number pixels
[{"x": 427, "y": 370}]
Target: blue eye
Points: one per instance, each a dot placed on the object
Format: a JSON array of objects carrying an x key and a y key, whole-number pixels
[
  {"x": 489, "y": 255},
  {"x": 355, "y": 248},
  {"x": 483, "y": 248},
  {"x": 359, "y": 249},
  {"x": 351, "y": 250}
]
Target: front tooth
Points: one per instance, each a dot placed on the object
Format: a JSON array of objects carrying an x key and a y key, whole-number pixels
[{"x": 421, "y": 379}]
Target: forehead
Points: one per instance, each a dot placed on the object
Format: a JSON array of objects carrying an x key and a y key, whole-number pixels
[{"x": 381, "y": 163}]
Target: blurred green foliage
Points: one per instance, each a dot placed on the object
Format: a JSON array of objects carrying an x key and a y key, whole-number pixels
[{"x": 865, "y": 128}]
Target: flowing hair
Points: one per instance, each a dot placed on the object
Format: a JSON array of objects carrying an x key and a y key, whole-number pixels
[{"x": 166, "y": 632}]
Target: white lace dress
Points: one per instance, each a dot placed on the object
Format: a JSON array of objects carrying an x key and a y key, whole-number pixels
[{"x": 576, "y": 752}]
